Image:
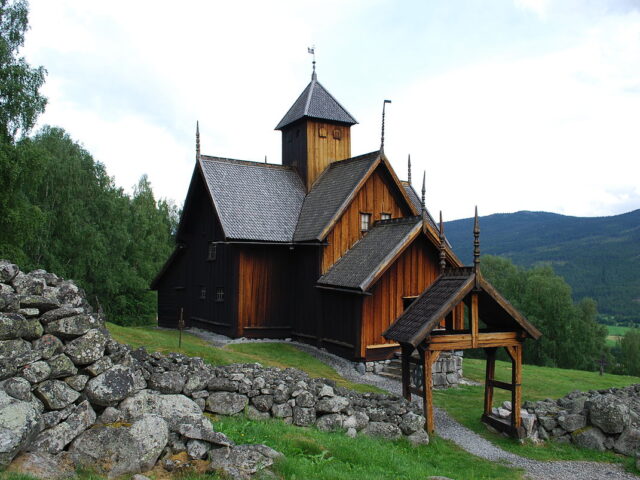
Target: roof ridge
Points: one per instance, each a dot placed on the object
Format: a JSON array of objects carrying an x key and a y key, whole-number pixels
[
  {"x": 354, "y": 159},
  {"x": 399, "y": 220},
  {"x": 248, "y": 163}
]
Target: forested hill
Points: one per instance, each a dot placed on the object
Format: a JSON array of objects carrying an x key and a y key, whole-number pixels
[{"x": 598, "y": 256}]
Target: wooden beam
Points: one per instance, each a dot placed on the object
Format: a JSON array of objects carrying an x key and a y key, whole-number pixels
[
  {"x": 428, "y": 358},
  {"x": 489, "y": 379},
  {"x": 502, "y": 385},
  {"x": 474, "y": 320},
  {"x": 406, "y": 378},
  {"x": 516, "y": 380},
  {"x": 383, "y": 345}
]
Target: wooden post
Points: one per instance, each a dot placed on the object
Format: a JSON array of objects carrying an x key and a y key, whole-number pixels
[
  {"x": 515, "y": 353},
  {"x": 474, "y": 320},
  {"x": 180, "y": 327},
  {"x": 406, "y": 365},
  {"x": 428, "y": 358},
  {"x": 488, "y": 383}
]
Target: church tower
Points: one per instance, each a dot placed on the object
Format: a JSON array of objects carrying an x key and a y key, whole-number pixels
[{"x": 315, "y": 132}]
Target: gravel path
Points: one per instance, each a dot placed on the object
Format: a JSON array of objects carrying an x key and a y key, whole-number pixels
[{"x": 450, "y": 429}]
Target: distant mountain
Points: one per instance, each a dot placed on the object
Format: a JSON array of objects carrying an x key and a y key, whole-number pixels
[{"x": 598, "y": 256}]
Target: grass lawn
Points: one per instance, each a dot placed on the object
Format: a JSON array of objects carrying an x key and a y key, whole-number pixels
[
  {"x": 465, "y": 404},
  {"x": 615, "y": 334},
  {"x": 269, "y": 354}
]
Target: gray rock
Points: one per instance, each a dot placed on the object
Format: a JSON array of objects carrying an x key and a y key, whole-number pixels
[
  {"x": 609, "y": 414},
  {"x": 53, "y": 440},
  {"x": 70, "y": 327},
  {"x": 59, "y": 313},
  {"x": 54, "y": 417},
  {"x": 281, "y": 410},
  {"x": 412, "y": 423},
  {"x": 197, "y": 449},
  {"x": 101, "y": 365},
  {"x": 226, "y": 403},
  {"x": 8, "y": 271},
  {"x": 167, "y": 382},
  {"x": 383, "y": 430},
  {"x": 61, "y": 366},
  {"x": 29, "y": 313},
  {"x": 88, "y": 348},
  {"x": 548, "y": 423},
  {"x": 252, "y": 413},
  {"x": 18, "y": 388},
  {"x": 326, "y": 391},
  {"x": 304, "y": 416},
  {"x": 19, "y": 425},
  {"x": 358, "y": 421},
  {"x": 330, "y": 422},
  {"x": 28, "y": 285},
  {"x": 332, "y": 404},
  {"x": 572, "y": 421},
  {"x": 222, "y": 384},
  {"x": 42, "y": 465},
  {"x": 10, "y": 326},
  {"x": 121, "y": 450},
  {"x": 48, "y": 346},
  {"x": 305, "y": 399},
  {"x": 55, "y": 394},
  {"x": 43, "y": 304},
  {"x": 36, "y": 372},
  {"x": 420, "y": 437},
  {"x": 628, "y": 442},
  {"x": 201, "y": 429},
  {"x": 589, "y": 437},
  {"x": 352, "y": 432},
  {"x": 110, "y": 387},
  {"x": 9, "y": 302},
  {"x": 111, "y": 415},
  {"x": 14, "y": 348},
  {"x": 77, "y": 382},
  {"x": 196, "y": 381},
  {"x": 263, "y": 402},
  {"x": 242, "y": 461},
  {"x": 69, "y": 295},
  {"x": 174, "y": 409}
]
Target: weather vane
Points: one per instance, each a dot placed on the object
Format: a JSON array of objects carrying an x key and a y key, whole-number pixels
[{"x": 312, "y": 51}]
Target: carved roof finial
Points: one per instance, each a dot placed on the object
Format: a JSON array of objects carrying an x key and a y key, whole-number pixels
[
  {"x": 265, "y": 159},
  {"x": 197, "y": 139},
  {"x": 424, "y": 190},
  {"x": 409, "y": 170},
  {"x": 443, "y": 255},
  {"x": 476, "y": 242},
  {"x": 384, "y": 104},
  {"x": 312, "y": 51}
]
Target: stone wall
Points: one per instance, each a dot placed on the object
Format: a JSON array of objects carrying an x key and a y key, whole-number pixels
[
  {"x": 447, "y": 370},
  {"x": 71, "y": 396}
]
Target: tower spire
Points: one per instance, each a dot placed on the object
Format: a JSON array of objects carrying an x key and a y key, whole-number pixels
[
  {"x": 476, "y": 243},
  {"x": 409, "y": 170},
  {"x": 443, "y": 255},
  {"x": 384, "y": 104},
  {"x": 424, "y": 190},
  {"x": 197, "y": 139}
]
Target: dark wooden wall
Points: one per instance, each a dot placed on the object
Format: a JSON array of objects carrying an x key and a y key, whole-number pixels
[
  {"x": 378, "y": 195},
  {"x": 340, "y": 322},
  {"x": 265, "y": 291}
]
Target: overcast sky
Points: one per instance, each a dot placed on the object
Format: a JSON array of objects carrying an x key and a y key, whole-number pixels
[{"x": 507, "y": 104}]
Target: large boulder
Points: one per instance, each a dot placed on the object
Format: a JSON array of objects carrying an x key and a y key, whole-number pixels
[
  {"x": 59, "y": 313},
  {"x": 174, "y": 409},
  {"x": 56, "y": 394},
  {"x": 589, "y": 437},
  {"x": 167, "y": 382},
  {"x": 243, "y": 461},
  {"x": 226, "y": 403},
  {"x": 20, "y": 422},
  {"x": 42, "y": 465},
  {"x": 48, "y": 346},
  {"x": 385, "y": 430},
  {"x": 8, "y": 271},
  {"x": 628, "y": 442},
  {"x": 61, "y": 366},
  {"x": 28, "y": 285},
  {"x": 572, "y": 422},
  {"x": 70, "y": 327},
  {"x": 42, "y": 303},
  {"x": 112, "y": 386},
  {"x": 121, "y": 450},
  {"x": 88, "y": 348},
  {"x": 54, "y": 439},
  {"x": 609, "y": 414},
  {"x": 332, "y": 404}
]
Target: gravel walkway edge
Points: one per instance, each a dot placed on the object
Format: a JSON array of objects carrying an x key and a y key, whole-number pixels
[{"x": 447, "y": 427}]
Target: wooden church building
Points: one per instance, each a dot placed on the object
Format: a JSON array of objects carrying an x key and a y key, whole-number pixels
[{"x": 326, "y": 248}]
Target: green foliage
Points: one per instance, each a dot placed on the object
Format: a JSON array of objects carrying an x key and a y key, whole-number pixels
[
  {"x": 20, "y": 99},
  {"x": 630, "y": 352},
  {"x": 59, "y": 210},
  {"x": 571, "y": 336},
  {"x": 599, "y": 257}
]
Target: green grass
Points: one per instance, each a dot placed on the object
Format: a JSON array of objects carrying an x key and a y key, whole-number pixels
[
  {"x": 465, "y": 404},
  {"x": 615, "y": 334},
  {"x": 278, "y": 355},
  {"x": 311, "y": 454}
]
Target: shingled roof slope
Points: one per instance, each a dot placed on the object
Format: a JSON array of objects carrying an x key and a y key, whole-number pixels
[
  {"x": 425, "y": 312},
  {"x": 412, "y": 194},
  {"x": 329, "y": 193},
  {"x": 316, "y": 102},
  {"x": 358, "y": 267},
  {"x": 255, "y": 201}
]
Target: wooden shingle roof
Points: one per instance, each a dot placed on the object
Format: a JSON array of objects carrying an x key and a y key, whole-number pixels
[
  {"x": 442, "y": 296},
  {"x": 366, "y": 260},
  {"x": 316, "y": 102}
]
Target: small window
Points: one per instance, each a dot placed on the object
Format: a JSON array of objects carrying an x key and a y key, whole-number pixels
[
  {"x": 385, "y": 216},
  {"x": 203, "y": 293},
  {"x": 365, "y": 222},
  {"x": 211, "y": 255},
  {"x": 337, "y": 134},
  {"x": 219, "y": 294},
  {"x": 322, "y": 132}
]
